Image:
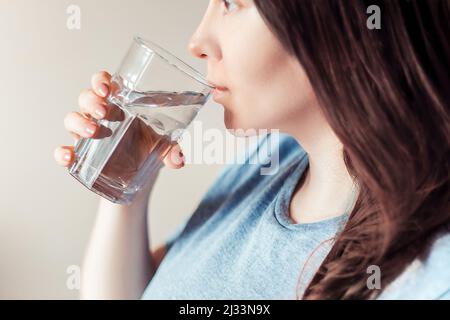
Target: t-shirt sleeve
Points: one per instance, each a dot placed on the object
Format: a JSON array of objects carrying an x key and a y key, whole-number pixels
[
  {"x": 445, "y": 296},
  {"x": 219, "y": 183},
  {"x": 175, "y": 234}
]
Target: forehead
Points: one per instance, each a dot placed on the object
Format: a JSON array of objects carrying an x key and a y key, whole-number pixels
[{"x": 245, "y": 2}]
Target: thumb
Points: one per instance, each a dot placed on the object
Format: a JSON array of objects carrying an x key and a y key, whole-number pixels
[{"x": 174, "y": 158}]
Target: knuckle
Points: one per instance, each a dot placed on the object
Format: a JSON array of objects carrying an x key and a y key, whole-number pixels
[
  {"x": 56, "y": 153},
  {"x": 85, "y": 92},
  {"x": 104, "y": 75},
  {"x": 83, "y": 96},
  {"x": 100, "y": 77},
  {"x": 68, "y": 120},
  {"x": 89, "y": 101},
  {"x": 94, "y": 77}
]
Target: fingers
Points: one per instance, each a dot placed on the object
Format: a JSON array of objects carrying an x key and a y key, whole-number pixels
[
  {"x": 90, "y": 103},
  {"x": 101, "y": 83},
  {"x": 80, "y": 125},
  {"x": 64, "y": 156},
  {"x": 175, "y": 158},
  {"x": 75, "y": 137},
  {"x": 93, "y": 101},
  {"x": 93, "y": 104}
]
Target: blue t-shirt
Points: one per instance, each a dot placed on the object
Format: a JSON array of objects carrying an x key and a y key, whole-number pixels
[{"x": 241, "y": 244}]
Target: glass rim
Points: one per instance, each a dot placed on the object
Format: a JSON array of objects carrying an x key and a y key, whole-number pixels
[{"x": 172, "y": 60}]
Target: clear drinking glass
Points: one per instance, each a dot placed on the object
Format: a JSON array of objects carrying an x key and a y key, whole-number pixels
[{"x": 154, "y": 96}]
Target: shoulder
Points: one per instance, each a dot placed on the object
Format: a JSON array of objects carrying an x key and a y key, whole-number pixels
[
  {"x": 263, "y": 158},
  {"x": 272, "y": 151},
  {"x": 427, "y": 278},
  {"x": 266, "y": 155}
]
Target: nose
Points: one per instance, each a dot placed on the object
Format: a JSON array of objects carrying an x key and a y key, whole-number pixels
[
  {"x": 196, "y": 48},
  {"x": 203, "y": 43}
]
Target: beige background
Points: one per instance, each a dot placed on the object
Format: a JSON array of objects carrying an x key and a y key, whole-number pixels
[{"x": 45, "y": 215}]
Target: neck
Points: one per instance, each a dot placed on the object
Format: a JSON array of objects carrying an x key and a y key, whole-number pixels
[{"x": 327, "y": 189}]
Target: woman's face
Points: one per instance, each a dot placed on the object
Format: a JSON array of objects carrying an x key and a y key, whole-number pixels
[{"x": 266, "y": 88}]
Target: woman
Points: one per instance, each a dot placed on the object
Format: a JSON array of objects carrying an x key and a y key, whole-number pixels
[{"x": 363, "y": 187}]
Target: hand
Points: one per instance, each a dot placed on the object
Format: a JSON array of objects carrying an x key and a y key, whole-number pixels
[{"x": 93, "y": 105}]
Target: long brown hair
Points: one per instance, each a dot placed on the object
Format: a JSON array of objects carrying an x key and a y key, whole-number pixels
[{"x": 385, "y": 93}]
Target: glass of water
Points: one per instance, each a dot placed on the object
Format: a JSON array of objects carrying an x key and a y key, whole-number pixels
[{"x": 154, "y": 96}]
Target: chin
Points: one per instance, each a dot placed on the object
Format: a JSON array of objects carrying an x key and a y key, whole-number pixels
[{"x": 240, "y": 130}]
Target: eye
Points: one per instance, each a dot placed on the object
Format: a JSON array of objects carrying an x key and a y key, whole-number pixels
[{"x": 230, "y": 5}]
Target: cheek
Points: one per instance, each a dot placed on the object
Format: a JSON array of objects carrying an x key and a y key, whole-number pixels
[
  {"x": 267, "y": 86},
  {"x": 269, "y": 90},
  {"x": 251, "y": 53}
]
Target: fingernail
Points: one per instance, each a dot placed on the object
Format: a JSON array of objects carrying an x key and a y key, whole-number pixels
[
  {"x": 100, "y": 113},
  {"x": 90, "y": 130},
  {"x": 103, "y": 89}
]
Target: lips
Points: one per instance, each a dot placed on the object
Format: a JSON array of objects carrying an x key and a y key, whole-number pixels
[
  {"x": 220, "y": 88},
  {"x": 219, "y": 92},
  {"x": 217, "y": 86},
  {"x": 218, "y": 95}
]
